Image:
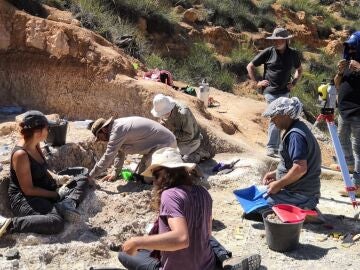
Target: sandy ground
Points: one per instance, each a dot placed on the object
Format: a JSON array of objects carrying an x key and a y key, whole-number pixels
[{"x": 119, "y": 210}]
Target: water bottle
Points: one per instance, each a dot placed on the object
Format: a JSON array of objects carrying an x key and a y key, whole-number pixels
[{"x": 203, "y": 93}]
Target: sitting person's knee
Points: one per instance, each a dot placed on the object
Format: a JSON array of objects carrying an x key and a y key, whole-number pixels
[{"x": 56, "y": 223}]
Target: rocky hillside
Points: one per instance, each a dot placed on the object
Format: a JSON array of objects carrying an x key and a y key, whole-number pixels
[{"x": 196, "y": 39}]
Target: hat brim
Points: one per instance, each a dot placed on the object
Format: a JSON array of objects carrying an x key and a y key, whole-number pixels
[
  {"x": 51, "y": 123},
  {"x": 187, "y": 166},
  {"x": 107, "y": 122},
  {"x": 278, "y": 38},
  {"x": 159, "y": 114}
]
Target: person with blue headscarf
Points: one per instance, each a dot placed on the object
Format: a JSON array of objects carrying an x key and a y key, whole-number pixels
[{"x": 347, "y": 82}]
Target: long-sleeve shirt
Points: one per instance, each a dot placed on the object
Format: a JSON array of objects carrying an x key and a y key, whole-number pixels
[
  {"x": 132, "y": 135},
  {"x": 187, "y": 132}
]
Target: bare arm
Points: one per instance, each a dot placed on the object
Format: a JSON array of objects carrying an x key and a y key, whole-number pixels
[
  {"x": 251, "y": 71},
  {"x": 269, "y": 177},
  {"x": 297, "y": 77},
  {"x": 22, "y": 169},
  {"x": 176, "y": 239},
  {"x": 337, "y": 81},
  {"x": 298, "y": 169},
  {"x": 341, "y": 65},
  {"x": 298, "y": 74},
  {"x": 113, "y": 147}
]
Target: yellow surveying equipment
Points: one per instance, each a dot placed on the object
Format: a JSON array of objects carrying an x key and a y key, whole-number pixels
[
  {"x": 322, "y": 91},
  {"x": 327, "y": 95}
]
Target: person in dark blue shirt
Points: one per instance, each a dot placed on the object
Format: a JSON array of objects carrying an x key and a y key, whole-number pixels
[{"x": 296, "y": 180}]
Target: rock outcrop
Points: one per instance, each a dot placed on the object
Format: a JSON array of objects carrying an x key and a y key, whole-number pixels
[{"x": 59, "y": 67}]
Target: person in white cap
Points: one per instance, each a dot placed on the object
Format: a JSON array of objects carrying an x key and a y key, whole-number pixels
[
  {"x": 128, "y": 135},
  {"x": 179, "y": 119},
  {"x": 181, "y": 236},
  {"x": 279, "y": 62},
  {"x": 296, "y": 180}
]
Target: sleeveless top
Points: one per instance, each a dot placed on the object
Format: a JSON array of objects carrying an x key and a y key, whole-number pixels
[
  {"x": 40, "y": 177},
  {"x": 309, "y": 183}
]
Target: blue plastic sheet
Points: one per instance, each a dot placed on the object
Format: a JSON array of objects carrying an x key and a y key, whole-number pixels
[{"x": 246, "y": 199}]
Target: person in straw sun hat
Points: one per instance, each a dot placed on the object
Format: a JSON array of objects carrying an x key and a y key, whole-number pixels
[
  {"x": 179, "y": 119},
  {"x": 128, "y": 135},
  {"x": 279, "y": 62},
  {"x": 183, "y": 226}
]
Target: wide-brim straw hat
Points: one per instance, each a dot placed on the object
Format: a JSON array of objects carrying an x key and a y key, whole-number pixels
[
  {"x": 167, "y": 157},
  {"x": 280, "y": 33},
  {"x": 99, "y": 124}
]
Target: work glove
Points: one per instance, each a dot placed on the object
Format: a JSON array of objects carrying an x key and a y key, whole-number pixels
[
  {"x": 63, "y": 191},
  {"x": 61, "y": 179}
]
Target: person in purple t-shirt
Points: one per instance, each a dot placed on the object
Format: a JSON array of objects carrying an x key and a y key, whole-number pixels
[{"x": 181, "y": 237}]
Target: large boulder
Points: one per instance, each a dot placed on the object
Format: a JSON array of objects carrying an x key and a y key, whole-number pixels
[{"x": 220, "y": 38}]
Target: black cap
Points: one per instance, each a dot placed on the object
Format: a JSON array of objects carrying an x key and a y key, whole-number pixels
[{"x": 34, "y": 119}]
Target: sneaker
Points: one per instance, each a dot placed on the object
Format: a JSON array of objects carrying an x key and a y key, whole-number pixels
[
  {"x": 251, "y": 262},
  {"x": 344, "y": 193},
  {"x": 272, "y": 153},
  {"x": 336, "y": 167},
  {"x": 67, "y": 208},
  {"x": 4, "y": 224}
]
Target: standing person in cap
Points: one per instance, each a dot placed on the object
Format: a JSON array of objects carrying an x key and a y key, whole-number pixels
[
  {"x": 347, "y": 82},
  {"x": 128, "y": 135},
  {"x": 179, "y": 119},
  {"x": 296, "y": 180},
  {"x": 181, "y": 236},
  {"x": 38, "y": 204},
  {"x": 279, "y": 62}
]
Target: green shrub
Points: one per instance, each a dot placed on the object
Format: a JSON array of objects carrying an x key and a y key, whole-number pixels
[
  {"x": 224, "y": 81},
  {"x": 155, "y": 61},
  {"x": 299, "y": 46},
  {"x": 241, "y": 14},
  {"x": 321, "y": 68},
  {"x": 311, "y": 7},
  {"x": 351, "y": 12},
  {"x": 199, "y": 64},
  {"x": 157, "y": 13},
  {"x": 240, "y": 58},
  {"x": 306, "y": 91}
]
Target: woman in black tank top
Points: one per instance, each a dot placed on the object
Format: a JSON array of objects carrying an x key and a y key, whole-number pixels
[{"x": 34, "y": 199}]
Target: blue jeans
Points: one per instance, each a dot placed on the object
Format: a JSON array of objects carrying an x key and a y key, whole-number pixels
[
  {"x": 293, "y": 198},
  {"x": 351, "y": 144},
  {"x": 143, "y": 261},
  {"x": 273, "y": 131}
]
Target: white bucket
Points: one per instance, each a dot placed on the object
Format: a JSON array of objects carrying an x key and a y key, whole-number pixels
[{"x": 203, "y": 93}]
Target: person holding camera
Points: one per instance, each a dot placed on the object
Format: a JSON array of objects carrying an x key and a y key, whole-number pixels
[{"x": 347, "y": 82}]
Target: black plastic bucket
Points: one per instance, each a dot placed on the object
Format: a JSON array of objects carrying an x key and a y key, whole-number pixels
[
  {"x": 74, "y": 171},
  {"x": 57, "y": 133},
  {"x": 281, "y": 236}
]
